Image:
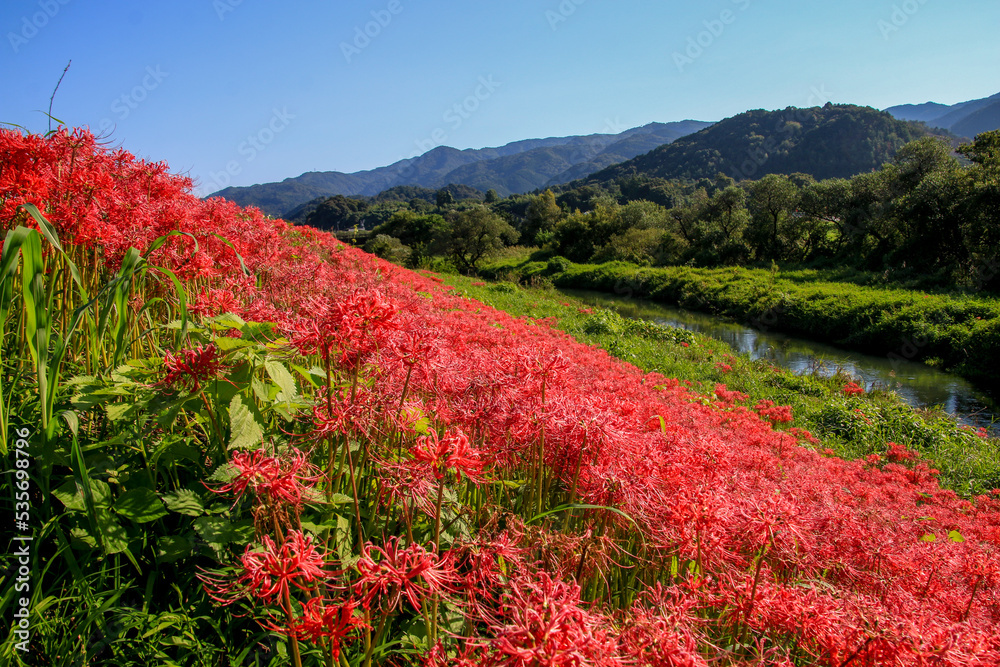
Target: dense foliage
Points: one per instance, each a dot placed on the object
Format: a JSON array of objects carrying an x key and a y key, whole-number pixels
[
  {"x": 834, "y": 141},
  {"x": 248, "y": 443}
]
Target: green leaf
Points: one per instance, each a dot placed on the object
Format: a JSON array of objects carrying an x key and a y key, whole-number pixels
[
  {"x": 70, "y": 494},
  {"x": 119, "y": 411},
  {"x": 171, "y": 548},
  {"x": 227, "y": 344},
  {"x": 184, "y": 501},
  {"x": 929, "y": 537},
  {"x": 113, "y": 535},
  {"x": 955, "y": 536},
  {"x": 246, "y": 432},
  {"x": 281, "y": 377},
  {"x": 141, "y": 505},
  {"x": 226, "y": 321},
  {"x": 344, "y": 540},
  {"x": 218, "y": 532}
]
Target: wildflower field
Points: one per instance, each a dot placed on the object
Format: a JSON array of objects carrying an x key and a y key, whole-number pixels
[{"x": 237, "y": 442}]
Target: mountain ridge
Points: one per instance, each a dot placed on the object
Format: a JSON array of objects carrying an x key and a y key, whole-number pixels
[{"x": 516, "y": 167}]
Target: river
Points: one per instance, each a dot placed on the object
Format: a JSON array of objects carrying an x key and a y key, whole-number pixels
[{"x": 919, "y": 385}]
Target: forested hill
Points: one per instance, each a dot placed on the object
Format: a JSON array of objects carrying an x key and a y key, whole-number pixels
[{"x": 834, "y": 141}]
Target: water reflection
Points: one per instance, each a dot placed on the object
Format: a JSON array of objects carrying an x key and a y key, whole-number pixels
[{"x": 917, "y": 384}]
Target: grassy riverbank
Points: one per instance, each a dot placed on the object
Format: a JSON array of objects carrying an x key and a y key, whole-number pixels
[
  {"x": 958, "y": 332},
  {"x": 850, "y": 425}
]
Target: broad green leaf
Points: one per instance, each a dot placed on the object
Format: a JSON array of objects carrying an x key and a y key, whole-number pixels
[
  {"x": 227, "y": 344},
  {"x": 344, "y": 540},
  {"x": 218, "y": 532},
  {"x": 955, "y": 536},
  {"x": 118, "y": 411},
  {"x": 171, "y": 548},
  {"x": 246, "y": 432},
  {"x": 70, "y": 494},
  {"x": 184, "y": 501},
  {"x": 113, "y": 535},
  {"x": 281, "y": 377},
  {"x": 141, "y": 505},
  {"x": 929, "y": 537},
  {"x": 226, "y": 321},
  {"x": 81, "y": 536}
]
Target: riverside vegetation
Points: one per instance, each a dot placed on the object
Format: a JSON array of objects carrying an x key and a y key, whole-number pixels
[
  {"x": 248, "y": 443},
  {"x": 958, "y": 331}
]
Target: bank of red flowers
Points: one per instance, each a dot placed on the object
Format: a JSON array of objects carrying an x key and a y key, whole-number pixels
[{"x": 731, "y": 541}]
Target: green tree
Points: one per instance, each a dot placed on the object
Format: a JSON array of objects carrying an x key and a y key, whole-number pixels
[
  {"x": 491, "y": 196},
  {"x": 476, "y": 234},
  {"x": 444, "y": 198},
  {"x": 541, "y": 217},
  {"x": 420, "y": 233},
  {"x": 772, "y": 200},
  {"x": 388, "y": 248}
]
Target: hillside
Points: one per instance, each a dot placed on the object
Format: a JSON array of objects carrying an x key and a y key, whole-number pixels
[
  {"x": 826, "y": 142},
  {"x": 278, "y": 438},
  {"x": 517, "y": 167},
  {"x": 965, "y": 119}
]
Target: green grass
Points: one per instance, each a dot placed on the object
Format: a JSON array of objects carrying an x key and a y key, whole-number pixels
[{"x": 851, "y": 426}]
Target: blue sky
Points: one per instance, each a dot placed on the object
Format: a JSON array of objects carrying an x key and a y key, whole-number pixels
[{"x": 246, "y": 91}]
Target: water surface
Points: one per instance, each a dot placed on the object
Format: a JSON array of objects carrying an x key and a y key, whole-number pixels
[{"x": 919, "y": 385}]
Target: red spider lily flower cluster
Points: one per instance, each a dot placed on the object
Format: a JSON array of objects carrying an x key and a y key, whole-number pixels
[
  {"x": 191, "y": 368},
  {"x": 389, "y": 574},
  {"x": 726, "y": 396},
  {"x": 544, "y": 624},
  {"x": 900, "y": 454},
  {"x": 279, "y": 479},
  {"x": 324, "y": 619},
  {"x": 852, "y": 389},
  {"x": 772, "y": 543},
  {"x": 270, "y": 572},
  {"x": 776, "y": 414},
  {"x": 451, "y": 452}
]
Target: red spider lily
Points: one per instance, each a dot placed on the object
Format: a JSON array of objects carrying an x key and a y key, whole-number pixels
[
  {"x": 390, "y": 573},
  {"x": 324, "y": 618},
  {"x": 281, "y": 479},
  {"x": 846, "y": 580},
  {"x": 269, "y": 572},
  {"x": 451, "y": 452},
  {"x": 900, "y": 454},
  {"x": 192, "y": 368},
  {"x": 776, "y": 414},
  {"x": 852, "y": 389},
  {"x": 543, "y": 624},
  {"x": 727, "y": 396}
]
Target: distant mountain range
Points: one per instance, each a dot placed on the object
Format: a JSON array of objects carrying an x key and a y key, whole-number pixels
[
  {"x": 833, "y": 141},
  {"x": 522, "y": 166},
  {"x": 965, "y": 119}
]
